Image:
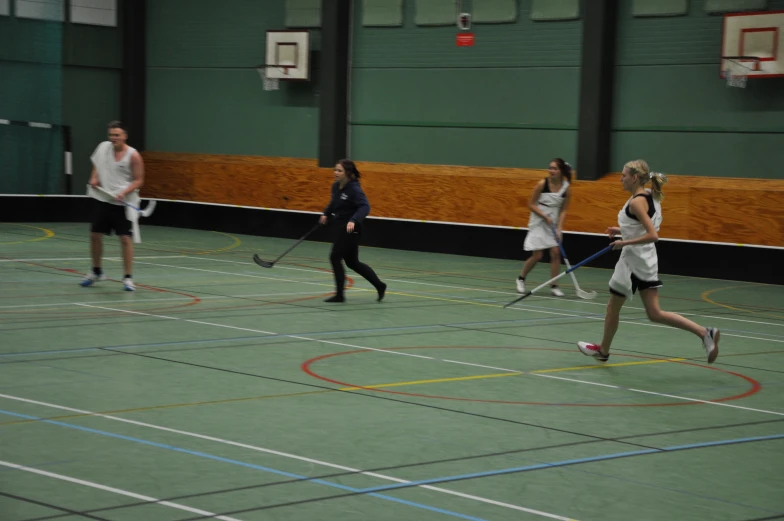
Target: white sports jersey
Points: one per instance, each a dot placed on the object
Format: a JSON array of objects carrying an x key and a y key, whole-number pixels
[
  {"x": 540, "y": 236},
  {"x": 114, "y": 175},
  {"x": 549, "y": 203},
  {"x": 642, "y": 258}
]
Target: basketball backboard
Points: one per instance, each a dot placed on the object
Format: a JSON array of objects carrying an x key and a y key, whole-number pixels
[
  {"x": 758, "y": 35},
  {"x": 288, "y": 55}
]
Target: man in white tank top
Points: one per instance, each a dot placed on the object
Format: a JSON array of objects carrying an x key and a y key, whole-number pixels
[{"x": 119, "y": 169}]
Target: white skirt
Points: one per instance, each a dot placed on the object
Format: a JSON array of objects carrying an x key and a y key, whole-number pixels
[
  {"x": 539, "y": 237},
  {"x": 642, "y": 264}
]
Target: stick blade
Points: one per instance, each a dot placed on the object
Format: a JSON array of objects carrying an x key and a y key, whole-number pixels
[
  {"x": 262, "y": 263},
  {"x": 518, "y": 299},
  {"x": 150, "y": 208},
  {"x": 586, "y": 295}
]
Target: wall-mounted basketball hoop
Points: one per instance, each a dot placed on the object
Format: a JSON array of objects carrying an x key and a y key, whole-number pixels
[
  {"x": 287, "y": 58},
  {"x": 736, "y": 69},
  {"x": 272, "y": 74},
  {"x": 751, "y": 47}
]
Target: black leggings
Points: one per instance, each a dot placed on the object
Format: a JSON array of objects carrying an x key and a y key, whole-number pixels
[{"x": 346, "y": 248}]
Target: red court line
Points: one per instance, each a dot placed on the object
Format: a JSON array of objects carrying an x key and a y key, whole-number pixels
[{"x": 194, "y": 298}]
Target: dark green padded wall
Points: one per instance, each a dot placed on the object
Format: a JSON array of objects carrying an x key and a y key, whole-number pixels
[
  {"x": 204, "y": 94},
  {"x": 510, "y": 100}
]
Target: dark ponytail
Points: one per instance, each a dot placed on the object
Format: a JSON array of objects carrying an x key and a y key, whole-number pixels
[{"x": 350, "y": 168}]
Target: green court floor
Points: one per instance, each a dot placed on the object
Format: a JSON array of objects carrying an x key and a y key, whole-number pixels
[{"x": 223, "y": 390}]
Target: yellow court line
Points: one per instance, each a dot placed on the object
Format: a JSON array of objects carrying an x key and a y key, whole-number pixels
[
  {"x": 373, "y": 386},
  {"x": 236, "y": 243},
  {"x": 48, "y": 234},
  {"x": 515, "y": 373},
  {"x": 619, "y": 364},
  {"x": 433, "y": 381}
]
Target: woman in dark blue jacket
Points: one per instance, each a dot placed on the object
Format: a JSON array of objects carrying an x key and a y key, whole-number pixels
[{"x": 348, "y": 208}]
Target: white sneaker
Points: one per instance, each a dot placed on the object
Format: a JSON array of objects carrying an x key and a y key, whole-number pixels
[
  {"x": 520, "y": 285},
  {"x": 593, "y": 350},
  {"x": 92, "y": 278},
  {"x": 556, "y": 292},
  {"x": 711, "y": 343},
  {"x": 128, "y": 284}
]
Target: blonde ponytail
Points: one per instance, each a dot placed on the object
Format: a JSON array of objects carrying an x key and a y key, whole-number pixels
[{"x": 658, "y": 180}]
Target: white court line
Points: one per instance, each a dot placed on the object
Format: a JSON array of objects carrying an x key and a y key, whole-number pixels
[
  {"x": 520, "y": 307},
  {"x": 503, "y": 369},
  {"x": 156, "y": 300},
  {"x": 485, "y": 500},
  {"x": 590, "y": 303},
  {"x": 282, "y": 454},
  {"x": 89, "y": 259},
  {"x": 241, "y": 274},
  {"x": 298, "y": 337},
  {"x": 658, "y": 394},
  {"x": 402, "y": 353},
  {"x": 633, "y": 322},
  {"x": 117, "y": 491},
  {"x": 507, "y": 293}
]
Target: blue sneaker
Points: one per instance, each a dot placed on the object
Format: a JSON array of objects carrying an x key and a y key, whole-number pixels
[{"x": 91, "y": 279}]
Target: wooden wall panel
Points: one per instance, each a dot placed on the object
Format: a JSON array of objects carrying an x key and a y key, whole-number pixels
[{"x": 731, "y": 210}]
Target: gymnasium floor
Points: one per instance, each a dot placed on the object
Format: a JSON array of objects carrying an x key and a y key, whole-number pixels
[{"x": 224, "y": 390}]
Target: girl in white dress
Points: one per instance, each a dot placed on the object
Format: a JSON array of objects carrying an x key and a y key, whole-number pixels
[
  {"x": 638, "y": 266},
  {"x": 548, "y": 205}
]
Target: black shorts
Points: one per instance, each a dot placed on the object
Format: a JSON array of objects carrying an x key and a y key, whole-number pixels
[
  {"x": 109, "y": 217},
  {"x": 639, "y": 284}
]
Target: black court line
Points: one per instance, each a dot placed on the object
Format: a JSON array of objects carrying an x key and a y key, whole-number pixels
[
  {"x": 765, "y": 518},
  {"x": 413, "y": 465},
  {"x": 68, "y": 513}
]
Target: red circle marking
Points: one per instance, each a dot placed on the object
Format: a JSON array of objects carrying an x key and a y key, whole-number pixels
[{"x": 306, "y": 367}]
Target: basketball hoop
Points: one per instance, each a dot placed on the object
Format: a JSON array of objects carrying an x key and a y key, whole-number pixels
[
  {"x": 272, "y": 82},
  {"x": 736, "y": 72}
]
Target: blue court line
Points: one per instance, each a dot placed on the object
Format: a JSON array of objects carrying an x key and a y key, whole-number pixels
[
  {"x": 565, "y": 463},
  {"x": 243, "y": 464},
  {"x": 582, "y": 470},
  {"x": 41, "y": 364},
  {"x": 52, "y": 352}
]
